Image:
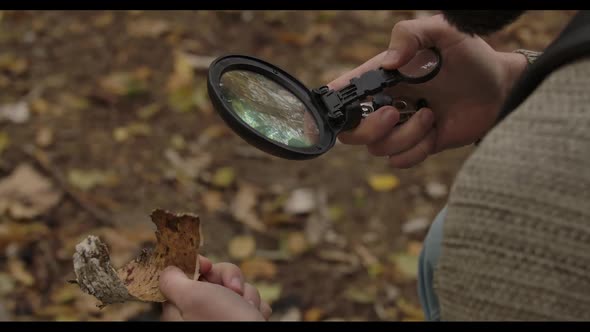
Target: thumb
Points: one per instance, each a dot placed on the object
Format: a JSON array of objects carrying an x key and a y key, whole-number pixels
[
  {"x": 198, "y": 300},
  {"x": 173, "y": 281}
]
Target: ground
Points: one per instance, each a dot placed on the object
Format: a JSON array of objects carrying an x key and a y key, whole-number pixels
[{"x": 115, "y": 121}]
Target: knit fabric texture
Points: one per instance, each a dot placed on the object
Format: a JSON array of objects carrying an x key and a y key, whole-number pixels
[{"x": 516, "y": 240}]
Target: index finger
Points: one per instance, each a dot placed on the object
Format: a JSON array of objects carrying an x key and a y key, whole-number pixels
[{"x": 343, "y": 80}]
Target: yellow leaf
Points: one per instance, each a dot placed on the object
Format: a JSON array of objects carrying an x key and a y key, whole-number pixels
[
  {"x": 241, "y": 247},
  {"x": 411, "y": 312},
  {"x": 383, "y": 182},
  {"x": 269, "y": 293},
  {"x": 224, "y": 177}
]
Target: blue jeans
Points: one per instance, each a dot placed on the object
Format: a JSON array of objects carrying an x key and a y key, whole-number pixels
[{"x": 427, "y": 264}]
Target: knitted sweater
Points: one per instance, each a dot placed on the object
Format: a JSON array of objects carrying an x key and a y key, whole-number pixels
[{"x": 516, "y": 239}]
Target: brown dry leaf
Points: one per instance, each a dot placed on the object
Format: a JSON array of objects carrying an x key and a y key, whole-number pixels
[
  {"x": 364, "y": 295},
  {"x": 243, "y": 207},
  {"x": 19, "y": 233},
  {"x": 213, "y": 201},
  {"x": 27, "y": 194},
  {"x": 18, "y": 271},
  {"x": 295, "y": 243},
  {"x": 103, "y": 20},
  {"x": 124, "y": 83},
  {"x": 414, "y": 248},
  {"x": 178, "y": 242},
  {"x": 313, "y": 314},
  {"x": 44, "y": 137},
  {"x": 241, "y": 247},
  {"x": 410, "y": 311},
  {"x": 259, "y": 268},
  {"x": 147, "y": 28},
  {"x": 4, "y": 141},
  {"x": 11, "y": 63}
]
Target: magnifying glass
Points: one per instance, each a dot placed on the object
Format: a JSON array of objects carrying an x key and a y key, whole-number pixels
[{"x": 276, "y": 113}]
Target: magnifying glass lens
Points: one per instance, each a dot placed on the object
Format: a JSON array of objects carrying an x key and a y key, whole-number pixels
[
  {"x": 421, "y": 65},
  {"x": 268, "y": 108}
]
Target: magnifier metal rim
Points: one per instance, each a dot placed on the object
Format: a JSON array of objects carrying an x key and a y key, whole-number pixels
[
  {"x": 427, "y": 77},
  {"x": 243, "y": 62}
]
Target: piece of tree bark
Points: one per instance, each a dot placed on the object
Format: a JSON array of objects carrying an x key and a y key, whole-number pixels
[{"x": 178, "y": 242}]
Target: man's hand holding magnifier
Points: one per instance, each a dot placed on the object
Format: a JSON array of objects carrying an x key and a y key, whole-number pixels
[{"x": 464, "y": 98}]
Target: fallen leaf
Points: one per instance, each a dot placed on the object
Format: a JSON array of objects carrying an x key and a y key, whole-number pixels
[
  {"x": 103, "y": 20},
  {"x": 269, "y": 292},
  {"x": 44, "y": 137},
  {"x": 241, "y": 247},
  {"x": 360, "y": 197},
  {"x": 295, "y": 243},
  {"x": 336, "y": 213},
  {"x": 7, "y": 284},
  {"x": 243, "y": 207},
  {"x": 88, "y": 179},
  {"x": 213, "y": 201},
  {"x": 292, "y": 314},
  {"x": 436, "y": 190},
  {"x": 258, "y": 268},
  {"x": 16, "y": 113},
  {"x": 406, "y": 264},
  {"x": 39, "y": 106},
  {"x": 300, "y": 201},
  {"x": 121, "y": 134},
  {"x": 363, "y": 295},
  {"x": 414, "y": 248},
  {"x": 21, "y": 233},
  {"x": 416, "y": 225},
  {"x": 74, "y": 102},
  {"x": 410, "y": 311},
  {"x": 386, "y": 313},
  {"x": 313, "y": 315},
  {"x": 199, "y": 62},
  {"x": 4, "y": 141},
  {"x": 181, "y": 86},
  {"x": 178, "y": 242},
  {"x": 18, "y": 271},
  {"x": 190, "y": 167},
  {"x": 13, "y": 64},
  {"x": 145, "y": 27},
  {"x": 148, "y": 111},
  {"x": 223, "y": 177},
  {"x": 65, "y": 294},
  {"x": 383, "y": 182},
  {"x": 124, "y": 84},
  {"x": 27, "y": 194},
  {"x": 125, "y": 313},
  {"x": 177, "y": 142}
]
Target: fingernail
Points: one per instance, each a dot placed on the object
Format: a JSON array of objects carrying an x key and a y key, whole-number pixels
[
  {"x": 391, "y": 58},
  {"x": 236, "y": 283},
  {"x": 251, "y": 302},
  {"x": 426, "y": 117}
]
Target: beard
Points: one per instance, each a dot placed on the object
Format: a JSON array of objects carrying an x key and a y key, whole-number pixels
[{"x": 481, "y": 22}]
